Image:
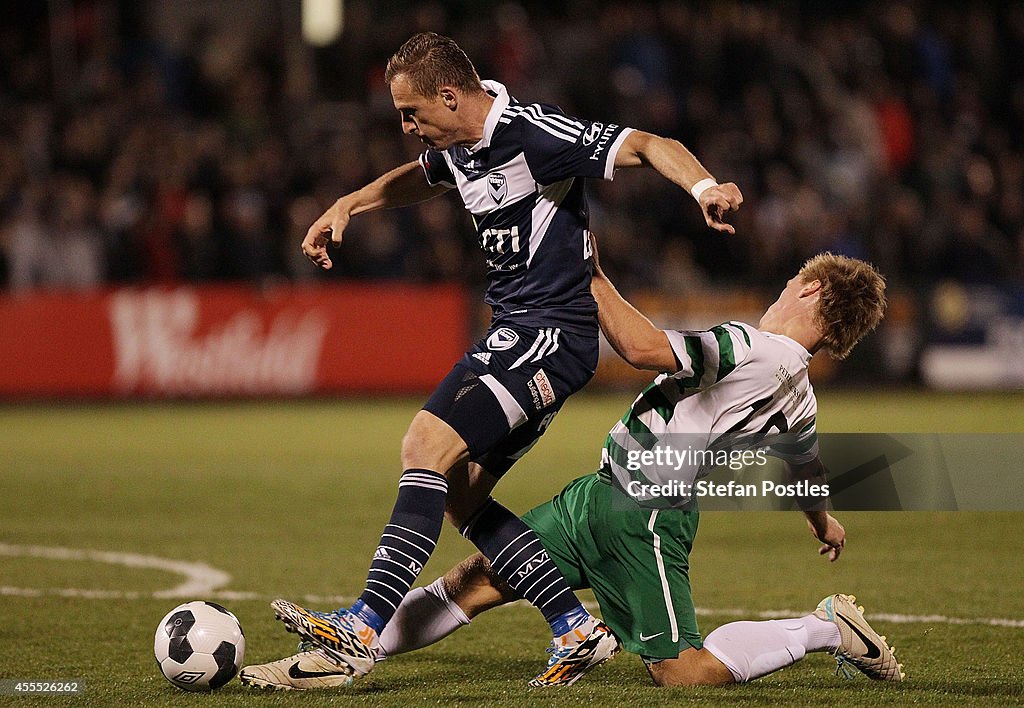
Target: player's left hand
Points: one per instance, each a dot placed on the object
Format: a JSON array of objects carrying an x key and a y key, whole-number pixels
[
  {"x": 716, "y": 202},
  {"x": 832, "y": 536}
]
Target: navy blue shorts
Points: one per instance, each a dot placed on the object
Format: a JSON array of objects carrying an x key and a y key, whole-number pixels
[{"x": 502, "y": 395}]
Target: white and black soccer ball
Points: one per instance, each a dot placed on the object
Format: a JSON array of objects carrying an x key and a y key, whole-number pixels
[{"x": 199, "y": 646}]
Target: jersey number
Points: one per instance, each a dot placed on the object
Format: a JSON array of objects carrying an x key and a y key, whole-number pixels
[{"x": 777, "y": 420}]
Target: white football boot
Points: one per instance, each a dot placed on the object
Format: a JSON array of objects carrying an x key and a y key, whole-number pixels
[
  {"x": 299, "y": 672},
  {"x": 859, "y": 644}
]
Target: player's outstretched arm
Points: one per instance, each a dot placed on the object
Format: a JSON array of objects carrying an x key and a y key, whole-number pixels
[
  {"x": 825, "y": 527},
  {"x": 674, "y": 162},
  {"x": 631, "y": 334},
  {"x": 401, "y": 186}
]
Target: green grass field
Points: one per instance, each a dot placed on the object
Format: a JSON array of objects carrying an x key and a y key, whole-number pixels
[{"x": 289, "y": 499}]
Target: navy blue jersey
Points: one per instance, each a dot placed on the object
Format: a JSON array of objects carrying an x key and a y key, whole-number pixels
[{"x": 524, "y": 185}]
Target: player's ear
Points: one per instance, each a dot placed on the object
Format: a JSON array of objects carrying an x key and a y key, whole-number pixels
[
  {"x": 449, "y": 98},
  {"x": 810, "y": 288}
]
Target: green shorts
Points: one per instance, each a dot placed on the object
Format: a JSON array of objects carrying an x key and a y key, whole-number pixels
[{"x": 636, "y": 561}]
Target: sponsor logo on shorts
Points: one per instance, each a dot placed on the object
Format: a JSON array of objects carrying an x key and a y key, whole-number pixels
[
  {"x": 541, "y": 390},
  {"x": 648, "y": 637},
  {"x": 502, "y": 339},
  {"x": 592, "y": 132}
]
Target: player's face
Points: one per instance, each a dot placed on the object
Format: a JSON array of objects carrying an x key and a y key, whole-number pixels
[{"x": 429, "y": 118}]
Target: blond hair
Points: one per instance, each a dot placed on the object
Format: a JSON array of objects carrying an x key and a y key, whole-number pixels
[
  {"x": 851, "y": 302},
  {"x": 430, "y": 61}
]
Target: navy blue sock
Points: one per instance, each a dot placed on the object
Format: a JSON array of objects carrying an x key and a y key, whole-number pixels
[
  {"x": 405, "y": 546},
  {"x": 519, "y": 559}
]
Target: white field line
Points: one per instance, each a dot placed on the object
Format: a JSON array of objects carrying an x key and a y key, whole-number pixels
[
  {"x": 203, "y": 582},
  {"x": 199, "y": 578},
  {"x": 228, "y": 595}
]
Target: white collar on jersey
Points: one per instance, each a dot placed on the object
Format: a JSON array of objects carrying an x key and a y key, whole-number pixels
[
  {"x": 791, "y": 343},
  {"x": 501, "y": 101}
]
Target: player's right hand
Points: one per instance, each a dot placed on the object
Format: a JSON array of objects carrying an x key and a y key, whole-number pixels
[
  {"x": 329, "y": 228},
  {"x": 718, "y": 201},
  {"x": 832, "y": 536}
]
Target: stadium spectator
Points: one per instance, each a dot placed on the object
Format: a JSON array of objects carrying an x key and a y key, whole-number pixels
[{"x": 885, "y": 120}]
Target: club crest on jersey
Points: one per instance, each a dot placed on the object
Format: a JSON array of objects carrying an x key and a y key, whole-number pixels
[
  {"x": 502, "y": 339},
  {"x": 497, "y": 187}
]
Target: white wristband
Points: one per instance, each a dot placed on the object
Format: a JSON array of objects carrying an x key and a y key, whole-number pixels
[{"x": 698, "y": 189}]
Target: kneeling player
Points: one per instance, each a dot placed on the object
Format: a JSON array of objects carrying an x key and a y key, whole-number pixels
[{"x": 732, "y": 382}]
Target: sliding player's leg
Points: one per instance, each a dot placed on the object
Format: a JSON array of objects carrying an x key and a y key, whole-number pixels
[
  {"x": 743, "y": 651},
  {"x": 429, "y": 614}
]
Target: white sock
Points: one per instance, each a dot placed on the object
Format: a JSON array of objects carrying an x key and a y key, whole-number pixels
[
  {"x": 426, "y": 616},
  {"x": 753, "y": 649}
]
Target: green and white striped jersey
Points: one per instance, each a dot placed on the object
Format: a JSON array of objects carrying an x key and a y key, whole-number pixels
[{"x": 736, "y": 388}]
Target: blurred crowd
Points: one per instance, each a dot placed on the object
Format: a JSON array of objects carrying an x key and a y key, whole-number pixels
[{"x": 892, "y": 131}]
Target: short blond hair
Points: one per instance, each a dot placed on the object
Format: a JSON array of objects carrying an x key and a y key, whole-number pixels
[
  {"x": 430, "y": 61},
  {"x": 851, "y": 302}
]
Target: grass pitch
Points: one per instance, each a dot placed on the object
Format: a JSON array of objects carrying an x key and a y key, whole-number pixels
[{"x": 289, "y": 499}]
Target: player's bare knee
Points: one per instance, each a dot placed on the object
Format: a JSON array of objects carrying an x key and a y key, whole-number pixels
[
  {"x": 432, "y": 444},
  {"x": 669, "y": 677},
  {"x": 693, "y": 667}
]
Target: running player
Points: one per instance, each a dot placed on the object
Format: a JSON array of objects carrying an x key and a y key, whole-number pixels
[
  {"x": 520, "y": 170},
  {"x": 733, "y": 381}
]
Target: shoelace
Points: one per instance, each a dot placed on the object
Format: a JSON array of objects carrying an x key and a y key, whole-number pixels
[
  {"x": 557, "y": 653},
  {"x": 841, "y": 666}
]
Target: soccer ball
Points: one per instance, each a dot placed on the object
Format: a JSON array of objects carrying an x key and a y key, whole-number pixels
[{"x": 199, "y": 646}]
